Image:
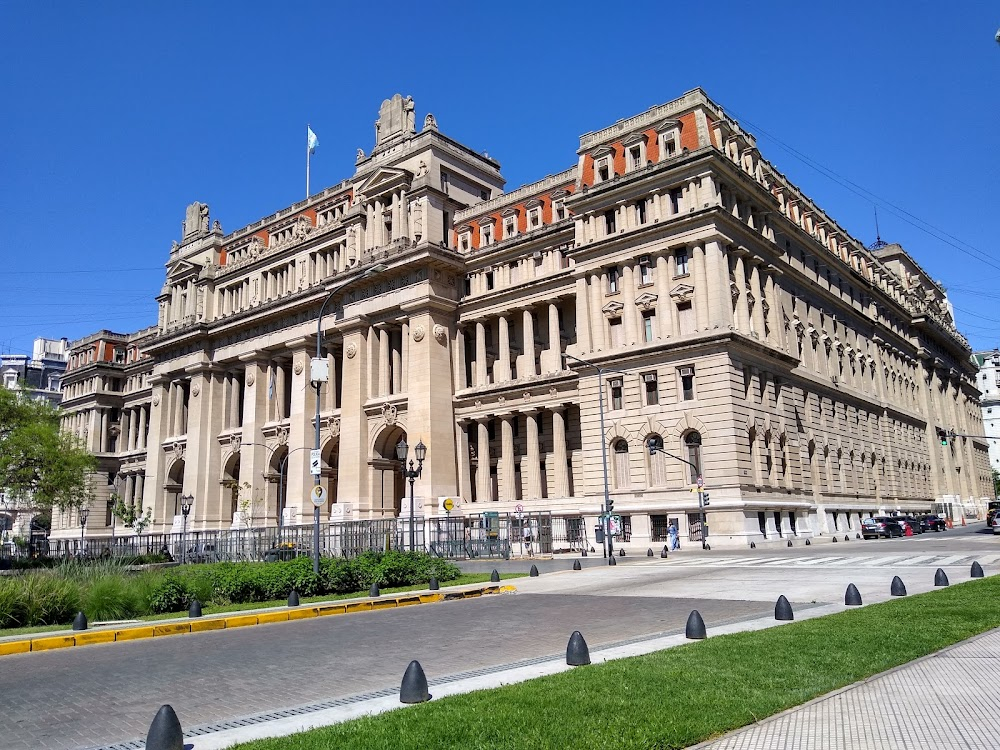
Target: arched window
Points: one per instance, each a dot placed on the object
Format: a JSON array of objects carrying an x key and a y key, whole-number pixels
[
  {"x": 621, "y": 464},
  {"x": 657, "y": 462},
  {"x": 692, "y": 446}
]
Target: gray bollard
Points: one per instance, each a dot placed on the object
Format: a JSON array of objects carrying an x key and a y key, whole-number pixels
[
  {"x": 611, "y": 560},
  {"x": 373, "y": 591},
  {"x": 977, "y": 570},
  {"x": 621, "y": 553},
  {"x": 808, "y": 542},
  {"x": 576, "y": 565},
  {"x": 533, "y": 573},
  {"x": 293, "y": 598},
  {"x": 165, "y": 732},
  {"x": 649, "y": 552},
  {"x": 753, "y": 545},
  {"x": 898, "y": 588},
  {"x": 847, "y": 538},
  {"x": 577, "y": 653},
  {"x": 789, "y": 542},
  {"x": 782, "y": 609},
  {"x": 414, "y": 686},
  {"x": 663, "y": 553},
  {"x": 857, "y": 536},
  {"x": 695, "y": 628},
  {"x": 494, "y": 576},
  {"x": 433, "y": 584},
  {"x": 583, "y": 553},
  {"x": 195, "y": 609},
  {"x": 835, "y": 540},
  {"x": 80, "y": 621},
  {"x": 853, "y": 597},
  {"x": 940, "y": 578}
]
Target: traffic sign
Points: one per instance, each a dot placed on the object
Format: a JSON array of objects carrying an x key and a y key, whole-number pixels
[
  {"x": 318, "y": 496},
  {"x": 314, "y": 462},
  {"x": 701, "y": 481},
  {"x": 519, "y": 508},
  {"x": 448, "y": 504}
]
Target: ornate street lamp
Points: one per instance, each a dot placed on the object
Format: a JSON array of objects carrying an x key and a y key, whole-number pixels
[
  {"x": 84, "y": 512},
  {"x": 186, "y": 502},
  {"x": 412, "y": 473}
]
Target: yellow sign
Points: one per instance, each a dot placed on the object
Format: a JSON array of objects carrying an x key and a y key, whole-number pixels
[{"x": 449, "y": 504}]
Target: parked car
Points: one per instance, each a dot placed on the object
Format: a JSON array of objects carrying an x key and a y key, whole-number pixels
[
  {"x": 893, "y": 525},
  {"x": 932, "y": 523},
  {"x": 996, "y": 523},
  {"x": 913, "y": 524},
  {"x": 872, "y": 528}
]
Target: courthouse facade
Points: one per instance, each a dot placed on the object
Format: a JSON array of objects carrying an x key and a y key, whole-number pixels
[{"x": 735, "y": 323}]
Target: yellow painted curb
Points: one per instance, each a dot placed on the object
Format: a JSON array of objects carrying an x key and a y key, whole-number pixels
[
  {"x": 359, "y": 607},
  {"x": 507, "y": 589},
  {"x": 133, "y": 634},
  {"x": 47, "y": 644},
  {"x": 172, "y": 628},
  {"x": 332, "y": 609},
  {"x": 302, "y": 614},
  {"x": 96, "y": 636},
  {"x": 240, "y": 622},
  {"x": 200, "y": 626},
  {"x": 384, "y": 604},
  {"x": 266, "y": 617},
  {"x": 405, "y": 601},
  {"x": 431, "y": 598},
  {"x": 15, "y": 647}
]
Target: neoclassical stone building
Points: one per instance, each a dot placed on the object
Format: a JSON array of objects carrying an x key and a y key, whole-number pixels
[{"x": 736, "y": 325}]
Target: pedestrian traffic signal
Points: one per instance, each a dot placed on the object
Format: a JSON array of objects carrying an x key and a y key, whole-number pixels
[
  {"x": 942, "y": 436},
  {"x": 704, "y": 499},
  {"x": 610, "y": 506}
]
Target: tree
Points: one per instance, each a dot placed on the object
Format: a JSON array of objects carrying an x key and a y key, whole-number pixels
[
  {"x": 130, "y": 516},
  {"x": 38, "y": 460},
  {"x": 996, "y": 482}
]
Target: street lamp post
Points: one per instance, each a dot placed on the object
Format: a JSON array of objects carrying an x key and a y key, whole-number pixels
[
  {"x": 186, "y": 502},
  {"x": 84, "y": 513},
  {"x": 412, "y": 473},
  {"x": 608, "y": 544},
  {"x": 653, "y": 449},
  {"x": 319, "y": 374}
]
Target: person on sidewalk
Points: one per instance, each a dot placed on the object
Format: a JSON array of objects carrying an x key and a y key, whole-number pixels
[
  {"x": 526, "y": 536},
  {"x": 675, "y": 541}
]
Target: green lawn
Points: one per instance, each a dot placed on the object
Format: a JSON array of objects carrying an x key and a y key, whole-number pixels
[
  {"x": 462, "y": 580},
  {"x": 677, "y": 697}
]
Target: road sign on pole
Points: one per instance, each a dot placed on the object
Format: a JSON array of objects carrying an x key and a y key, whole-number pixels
[
  {"x": 314, "y": 462},
  {"x": 701, "y": 481},
  {"x": 318, "y": 495}
]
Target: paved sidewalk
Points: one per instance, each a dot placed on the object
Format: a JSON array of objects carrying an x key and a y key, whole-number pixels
[{"x": 946, "y": 700}]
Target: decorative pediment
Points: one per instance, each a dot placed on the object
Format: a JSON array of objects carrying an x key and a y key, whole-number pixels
[
  {"x": 557, "y": 194},
  {"x": 490, "y": 219},
  {"x": 533, "y": 203},
  {"x": 613, "y": 309},
  {"x": 667, "y": 125},
  {"x": 179, "y": 269},
  {"x": 634, "y": 138},
  {"x": 682, "y": 292},
  {"x": 384, "y": 180},
  {"x": 645, "y": 301},
  {"x": 508, "y": 212},
  {"x": 601, "y": 151}
]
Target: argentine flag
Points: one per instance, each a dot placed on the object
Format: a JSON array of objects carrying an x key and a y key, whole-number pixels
[{"x": 311, "y": 140}]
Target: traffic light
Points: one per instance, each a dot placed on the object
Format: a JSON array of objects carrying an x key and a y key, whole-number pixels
[
  {"x": 942, "y": 436},
  {"x": 610, "y": 506},
  {"x": 704, "y": 499}
]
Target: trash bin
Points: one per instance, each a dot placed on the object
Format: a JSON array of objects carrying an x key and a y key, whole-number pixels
[{"x": 598, "y": 535}]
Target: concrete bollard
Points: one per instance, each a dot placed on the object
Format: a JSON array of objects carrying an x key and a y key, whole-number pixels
[
  {"x": 195, "y": 609},
  {"x": 753, "y": 545},
  {"x": 494, "y": 576},
  {"x": 576, "y": 565},
  {"x": 649, "y": 552},
  {"x": 808, "y": 542},
  {"x": 853, "y": 597},
  {"x": 835, "y": 540},
  {"x": 373, "y": 591},
  {"x": 789, "y": 542},
  {"x": 621, "y": 553},
  {"x": 611, "y": 560},
  {"x": 80, "y": 621},
  {"x": 583, "y": 553},
  {"x": 940, "y": 578},
  {"x": 293, "y": 598},
  {"x": 782, "y": 609},
  {"x": 577, "y": 653},
  {"x": 165, "y": 732},
  {"x": 857, "y": 536},
  {"x": 847, "y": 538},
  {"x": 663, "y": 554},
  {"x": 695, "y": 628},
  {"x": 414, "y": 686},
  {"x": 977, "y": 570},
  {"x": 898, "y": 588},
  {"x": 533, "y": 573},
  {"x": 433, "y": 584}
]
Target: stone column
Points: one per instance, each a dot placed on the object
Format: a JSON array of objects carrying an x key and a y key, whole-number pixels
[
  {"x": 507, "y": 458},
  {"x": 559, "y": 454},
  {"x": 526, "y": 362},
  {"x": 404, "y": 347},
  {"x": 105, "y": 439},
  {"x": 742, "y": 311},
  {"x": 460, "y": 377},
  {"x": 141, "y": 437},
  {"x": 720, "y": 313},
  {"x": 481, "y": 353},
  {"x": 353, "y": 470},
  {"x": 584, "y": 343},
  {"x": 301, "y": 436},
  {"x": 598, "y": 326},
  {"x": 533, "y": 475},
  {"x": 483, "y": 483},
  {"x": 383, "y": 361},
  {"x": 758, "y": 310},
  {"x": 254, "y": 459},
  {"x": 156, "y": 463},
  {"x": 664, "y": 305},
  {"x": 203, "y": 456},
  {"x": 501, "y": 368},
  {"x": 701, "y": 287},
  {"x": 553, "y": 355},
  {"x": 464, "y": 461}
]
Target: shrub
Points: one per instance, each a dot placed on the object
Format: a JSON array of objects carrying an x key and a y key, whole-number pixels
[
  {"x": 167, "y": 595},
  {"x": 47, "y": 599},
  {"x": 10, "y": 609},
  {"x": 113, "y": 597}
]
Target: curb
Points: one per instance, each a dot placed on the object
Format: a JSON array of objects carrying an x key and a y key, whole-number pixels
[{"x": 224, "y": 622}]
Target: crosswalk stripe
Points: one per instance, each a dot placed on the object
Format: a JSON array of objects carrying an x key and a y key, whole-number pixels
[
  {"x": 952, "y": 560},
  {"x": 921, "y": 560},
  {"x": 989, "y": 559},
  {"x": 879, "y": 561},
  {"x": 819, "y": 560}
]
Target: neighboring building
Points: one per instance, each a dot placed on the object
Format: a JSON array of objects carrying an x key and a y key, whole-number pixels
[
  {"x": 741, "y": 328},
  {"x": 41, "y": 374},
  {"x": 988, "y": 381}
]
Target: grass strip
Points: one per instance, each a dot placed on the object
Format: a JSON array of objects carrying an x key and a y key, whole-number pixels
[
  {"x": 218, "y": 609},
  {"x": 680, "y": 696}
]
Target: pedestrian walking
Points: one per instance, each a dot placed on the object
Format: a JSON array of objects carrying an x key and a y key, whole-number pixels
[
  {"x": 526, "y": 535},
  {"x": 675, "y": 541}
]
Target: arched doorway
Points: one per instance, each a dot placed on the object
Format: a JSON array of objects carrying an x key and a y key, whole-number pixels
[
  {"x": 275, "y": 498},
  {"x": 173, "y": 488},
  {"x": 230, "y": 486},
  {"x": 331, "y": 462},
  {"x": 387, "y": 484}
]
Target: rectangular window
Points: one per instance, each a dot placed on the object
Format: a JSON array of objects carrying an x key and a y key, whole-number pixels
[
  {"x": 614, "y": 276},
  {"x": 467, "y": 290},
  {"x": 681, "y": 262},
  {"x": 648, "y": 326},
  {"x": 685, "y": 318},
  {"x": 535, "y": 218},
  {"x": 640, "y": 212},
  {"x": 609, "y": 222},
  {"x": 650, "y": 388},
  {"x": 686, "y": 375},
  {"x": 489, "y": 280},
  {"x": 513, "y": 269},
  {"x": 617, "y": 339},
  {"x": 645, "y": 271},
  {"x": 675, "y": 200},
  {"x": 487, "y": 235},
  {"x": 635, "y": 156},
  {"x": 603, "y": 170},
  {"x": 615, "y": 386},
  {"x": 559, "y": 210}
]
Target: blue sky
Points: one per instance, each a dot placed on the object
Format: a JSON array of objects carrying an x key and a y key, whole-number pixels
[{"x": 117, "y": 115}]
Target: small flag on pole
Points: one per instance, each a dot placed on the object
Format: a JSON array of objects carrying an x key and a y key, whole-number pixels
[
  {"x": 270, "y": 387},
  {"x": 311, "y": 140}
]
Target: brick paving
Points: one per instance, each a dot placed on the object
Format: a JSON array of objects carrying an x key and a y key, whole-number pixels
[
  {"x": 99, "y": 695},
  {"x": 943, "y": 702}
]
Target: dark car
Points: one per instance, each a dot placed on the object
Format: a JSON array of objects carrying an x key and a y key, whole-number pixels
[
  {"x": 914, "y": 524},
  {"x": 872, "y": 528},
  {"x": 893, "y": 525},
  {"x": 932, "y": 523}
]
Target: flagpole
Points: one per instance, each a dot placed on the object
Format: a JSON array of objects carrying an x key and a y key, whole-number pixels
[{"x": 308, "y": 154}]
